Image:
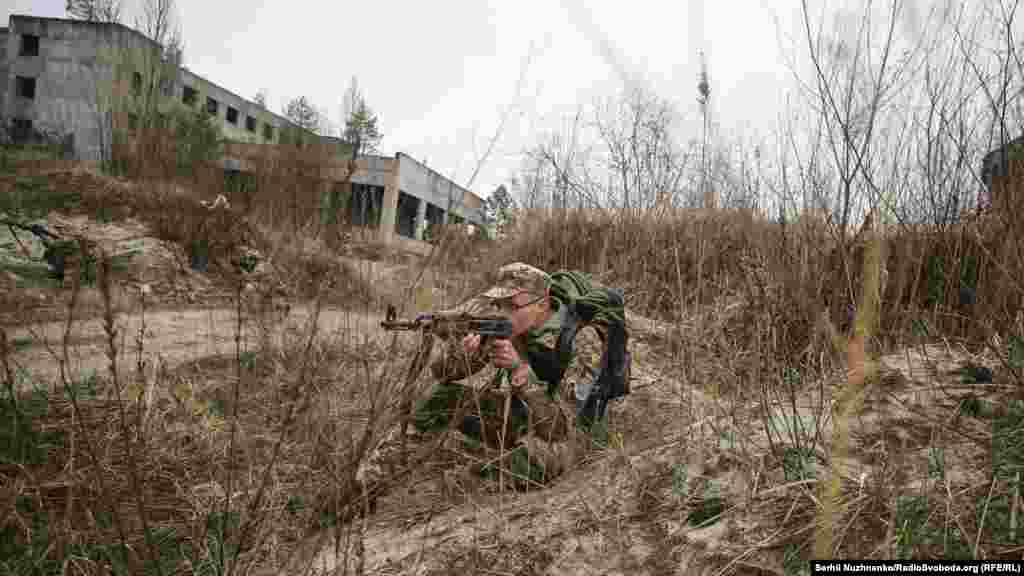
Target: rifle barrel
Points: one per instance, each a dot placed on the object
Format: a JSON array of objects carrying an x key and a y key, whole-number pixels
[
  {"x": 399, "y": 325},
  {"x": 445, "y": 326}
]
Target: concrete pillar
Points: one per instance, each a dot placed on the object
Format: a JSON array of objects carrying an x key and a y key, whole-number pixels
[
  {"x": 389, "y": 206},
  {"x": 448, "y": 205},
  {"x": 421, "y": 218}
]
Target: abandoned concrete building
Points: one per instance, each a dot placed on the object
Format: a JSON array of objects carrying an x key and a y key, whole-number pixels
[
  {"x": 57, "y": 74},
  {"x": 1001, "y": 175}
]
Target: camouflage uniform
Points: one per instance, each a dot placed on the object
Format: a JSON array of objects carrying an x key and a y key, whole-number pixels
[{"x": 540, "y": 424}]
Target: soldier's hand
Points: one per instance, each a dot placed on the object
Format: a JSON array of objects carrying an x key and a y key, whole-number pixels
[
  {"x": 504, "y": 354},
  {"x": 471, "y": 343}
]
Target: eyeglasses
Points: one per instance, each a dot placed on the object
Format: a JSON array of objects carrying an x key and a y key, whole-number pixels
[{"x": 510, "y": 306}]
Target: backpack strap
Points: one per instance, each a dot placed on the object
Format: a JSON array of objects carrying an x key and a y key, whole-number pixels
[
  {"x": 549, "y": 364},
  {"x": 612, "y": 379}
]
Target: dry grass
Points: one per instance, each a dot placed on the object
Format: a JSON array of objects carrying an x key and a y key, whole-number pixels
[
  {"x": 257, "y": 439},
  {"x": 741, "y": 441},
  {"x": 760, "y": 328}
]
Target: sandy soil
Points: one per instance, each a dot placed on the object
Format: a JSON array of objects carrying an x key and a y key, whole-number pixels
[{"x": 171, "y": 337}]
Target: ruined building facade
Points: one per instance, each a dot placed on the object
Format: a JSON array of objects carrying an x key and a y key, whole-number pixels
[{"x": 60, "y": 77}]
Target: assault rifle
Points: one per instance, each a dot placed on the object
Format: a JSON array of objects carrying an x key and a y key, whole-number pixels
[
  {"x": 446, "y": 324},
  {"x": 443, "y": 325}
]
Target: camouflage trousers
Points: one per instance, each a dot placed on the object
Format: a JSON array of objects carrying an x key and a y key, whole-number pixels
[{"x": 539, "y": 438}]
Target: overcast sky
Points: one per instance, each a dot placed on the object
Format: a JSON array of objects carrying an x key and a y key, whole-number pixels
[{"x": 441, "y": 74}]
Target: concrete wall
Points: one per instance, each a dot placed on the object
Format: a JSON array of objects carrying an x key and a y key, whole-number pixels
[
  {"x": 66, "y": 72},
  {"x": 84, "y": 69},
  {"x": 5, "y": 58},
  {"x": 371, "y": 170},
  {"x": 422, "y": 182},
  {"x": 83, "y": 72},
  {"x": 400, "y": 173},
  {"x": 375, "y": 170},
  {"x": 246, "y": 108}
]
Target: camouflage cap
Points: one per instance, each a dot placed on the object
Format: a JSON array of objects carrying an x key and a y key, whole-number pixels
[
  {"x": 518, "y": 277},
  {"x": 512, "y": 278}
]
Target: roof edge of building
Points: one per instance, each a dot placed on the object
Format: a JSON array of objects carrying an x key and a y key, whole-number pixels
[
  {"x": 436, "y": 173},
  {"x": 138, "y": 33},
  {"x": 76, "y": 22}
]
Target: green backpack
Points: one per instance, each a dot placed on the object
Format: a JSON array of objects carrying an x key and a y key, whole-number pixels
[{"x": 582, "y": 302}]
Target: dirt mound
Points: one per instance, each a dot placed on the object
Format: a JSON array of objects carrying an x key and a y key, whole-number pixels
[
  {"x": 151, "y": 260},
  {"x": 142, "y": 262},
  {"x": 183, "y": 249}
]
